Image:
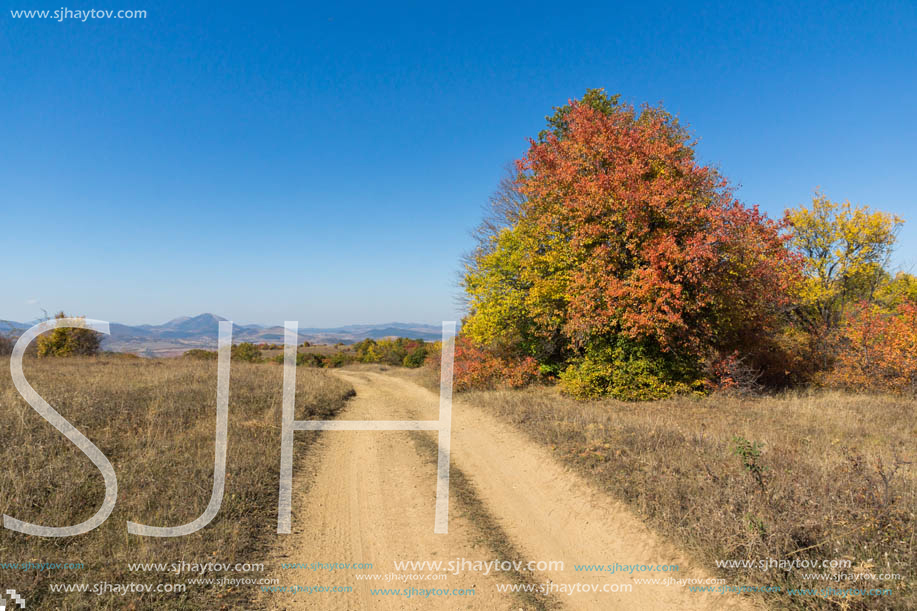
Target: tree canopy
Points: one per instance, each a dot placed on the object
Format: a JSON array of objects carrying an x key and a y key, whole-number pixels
[
  {"x": 627, "y": 265},
  {"x": 845, "y": 249},
  {"x": 69, "y": 341}
]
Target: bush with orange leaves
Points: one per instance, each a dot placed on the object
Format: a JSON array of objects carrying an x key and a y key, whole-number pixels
[
  {"x": 478, "y": 369},
  {"x": 879, "y": 350}
]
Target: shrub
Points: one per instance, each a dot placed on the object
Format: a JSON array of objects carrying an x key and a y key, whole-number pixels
[
  {"x": 308, "y": 359},
  {"x": 69, "y": 341},
  {"x": 199, "y": 354},
  {"x": 750, "y": 454},
  {"x": 399, "y": 351},
  {"x": 477, "y": 368},
  {"x": 338, "y": 359},
  {"x": 312, "y": 359},
  {"x": 518, "y": 372},
  {"x": 247, "y": 352},
  {"x": 628, "y": 371},
  {"x": 879, "y": 350},
  {"x": 732, "y": 374},
  {"x": 415, "y": 358}
]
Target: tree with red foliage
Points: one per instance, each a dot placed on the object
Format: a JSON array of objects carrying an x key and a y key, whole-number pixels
[{"x": 629, "y": 267}]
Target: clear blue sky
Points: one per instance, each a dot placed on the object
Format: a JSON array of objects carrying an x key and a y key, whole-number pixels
[{"x": 325, "y": 162}]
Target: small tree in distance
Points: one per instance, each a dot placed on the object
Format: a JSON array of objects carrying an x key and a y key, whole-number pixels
[{"x": 69, "y": 341}]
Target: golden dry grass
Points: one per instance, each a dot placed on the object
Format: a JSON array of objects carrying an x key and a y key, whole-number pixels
[
  {"x": 829, "y": 485},
  {"x": 154, "y": 420}
]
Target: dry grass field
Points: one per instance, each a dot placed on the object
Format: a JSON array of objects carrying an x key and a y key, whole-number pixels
[
  {"x": 820, "y": 476},
  {"x": 808, "y": 476},
  {"x": 154, "y": 420}
]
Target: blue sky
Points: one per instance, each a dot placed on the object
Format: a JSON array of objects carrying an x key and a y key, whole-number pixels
[{"x": 325, "y": 162}]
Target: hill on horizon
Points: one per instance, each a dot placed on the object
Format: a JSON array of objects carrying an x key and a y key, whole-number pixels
[{"x": 187, "y": 332}]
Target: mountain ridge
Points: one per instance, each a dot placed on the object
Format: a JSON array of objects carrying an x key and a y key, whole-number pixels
[{"x": 187, "y": 332}]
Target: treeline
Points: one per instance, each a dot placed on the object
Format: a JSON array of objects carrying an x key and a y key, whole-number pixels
[
  {"x": 244, "y": 351},
  {"x": 615, "y": 264},
  {"x": 401, "y": 351}
]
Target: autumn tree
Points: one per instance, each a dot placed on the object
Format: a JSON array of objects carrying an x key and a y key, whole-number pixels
[
  {"x": 845, "y": 249},
  {"x": 627, "y": 266},
  {"x": 69, "y": 341}
]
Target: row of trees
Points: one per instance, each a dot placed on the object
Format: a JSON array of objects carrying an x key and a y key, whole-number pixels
[
  {"x": 399, "y": 351},
  {"x": 617, "y": 264}
]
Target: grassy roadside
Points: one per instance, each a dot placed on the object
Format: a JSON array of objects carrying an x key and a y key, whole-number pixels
[
  {"x": 490, "y": 533},
  {"x": 154, "y": 420},
  {"x": 814, "y": 477}
]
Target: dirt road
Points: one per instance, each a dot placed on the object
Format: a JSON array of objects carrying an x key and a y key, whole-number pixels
[{"x": 370, "y": 499}]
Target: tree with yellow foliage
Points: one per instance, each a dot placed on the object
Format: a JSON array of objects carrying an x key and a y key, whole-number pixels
[
  {"x": 895, "y": 291},
  {"x": 69, "y": 341},
  {"x": 845, "y": 249}
]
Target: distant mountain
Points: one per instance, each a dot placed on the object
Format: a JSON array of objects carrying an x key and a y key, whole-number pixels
[
  {"x": 201, "y": 331},
  {"x": 7, "y": 326},
  {"x": 182, "y": 328}
]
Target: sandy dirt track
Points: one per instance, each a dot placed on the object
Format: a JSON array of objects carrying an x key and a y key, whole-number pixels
[{"x": 370, "y": 499}]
